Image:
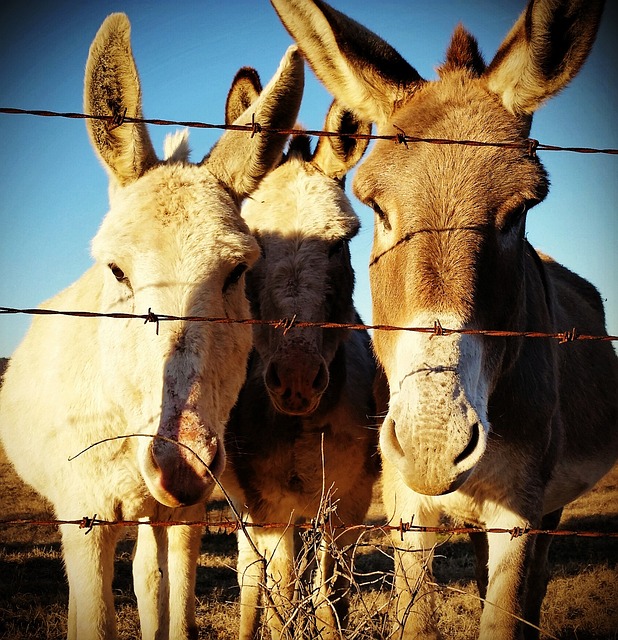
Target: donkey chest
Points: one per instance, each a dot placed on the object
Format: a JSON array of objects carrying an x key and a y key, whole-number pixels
[{"x": 299, "y": 465}]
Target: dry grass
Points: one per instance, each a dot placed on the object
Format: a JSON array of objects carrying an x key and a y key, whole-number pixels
[{"x": 580, "y": 605}]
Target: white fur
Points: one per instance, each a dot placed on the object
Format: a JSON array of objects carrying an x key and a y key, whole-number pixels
[
  {"x": 176, "y": 146},
  {"x": 439, "y": 390},
  {"x": 172, "y": 238}
]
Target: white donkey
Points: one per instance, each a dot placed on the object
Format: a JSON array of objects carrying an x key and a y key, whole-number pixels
[
  {"x": 301, "y": 434},
  {"x": 496, "y": 432},
  {"x": 174, "y": 242}
]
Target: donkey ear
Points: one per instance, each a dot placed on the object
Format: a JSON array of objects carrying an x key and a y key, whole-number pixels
[
  {"x": 545, "y": 49},
  {"x": 245, "y": 90},
  {"x": 240, "y": 160},
  {"x": 336, "y": 155},
  {"x": 359, "y": 69},
  {"x": 112, "y": 87}
]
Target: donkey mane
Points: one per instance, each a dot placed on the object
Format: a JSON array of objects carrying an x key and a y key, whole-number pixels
[
  {"x": 463, "y": 53},
  {"x": 176, "y": 147},
  {"x": 299, "y": 148}
]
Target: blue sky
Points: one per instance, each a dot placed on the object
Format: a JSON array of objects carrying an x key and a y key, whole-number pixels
[{"x": 54, "y": 192}]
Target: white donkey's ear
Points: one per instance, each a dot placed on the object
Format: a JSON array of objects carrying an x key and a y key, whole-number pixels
[
  {"x": 112, "y": 87},
  {"x": 362, "y": 71},
  {"x": 240, "y": 159},
  {"x": 336, "y": 155},
  {"x": 245, "y": 90},
  {"x": 544, "y": 50}
]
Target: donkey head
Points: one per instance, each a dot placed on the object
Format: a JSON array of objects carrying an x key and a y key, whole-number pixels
[
  {"x": 303, "y": 222},
  {"x": 449, "y": 232},
  {"x": 174, "y": 242}
]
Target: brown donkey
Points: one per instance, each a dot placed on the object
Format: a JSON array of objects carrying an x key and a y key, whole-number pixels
[
  {"x": 498, "y": 432},
  {"x": 301, "y": 441}
]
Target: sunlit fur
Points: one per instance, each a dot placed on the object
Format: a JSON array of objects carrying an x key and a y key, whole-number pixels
[
  {"x": 173, "y": 242},
  {"x": 494, "y": 432},
  {"x": 301, "y": 438}
]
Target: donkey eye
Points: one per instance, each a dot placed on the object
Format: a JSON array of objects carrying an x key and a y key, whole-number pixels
[
  {"x": 515, "y": 217},
  {"x": 234, "y": 276},
  {"x": 336, "y": 248},
  {"x": 381, "y": 215},
  {"x": 118, "y": 272}
]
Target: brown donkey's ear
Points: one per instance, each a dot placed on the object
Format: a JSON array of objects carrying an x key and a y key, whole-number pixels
[
  {"x": 336, "y": 155},
  {"x": 362, "y": 71},
  {"x": 245, "y": 90},
  {"x": 544, "y": 50}
]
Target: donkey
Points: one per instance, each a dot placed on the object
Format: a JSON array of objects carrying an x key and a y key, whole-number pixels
[
  {"x": 301, "y": 439},
  {"x": 173, "y": 241},
  {"x": 497, "y": 432}
]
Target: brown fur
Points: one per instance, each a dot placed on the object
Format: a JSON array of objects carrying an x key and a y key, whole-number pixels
[{"x": 497, "y": 432}]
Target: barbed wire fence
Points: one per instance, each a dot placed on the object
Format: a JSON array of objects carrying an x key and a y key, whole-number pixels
[
  {"x": 255, "y": 128},
  {"x": 322, "y": 525},
  {"x": 568, "y": 335},
  {"x": 285, "y": 324}
]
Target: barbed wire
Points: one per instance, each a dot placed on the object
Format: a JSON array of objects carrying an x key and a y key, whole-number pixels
[
  {"x": 119, "y": 119},
  {"x": 230, "y": 526},
  {"x": 323, "y": 521},
  {"x": 285, "y": 324}
]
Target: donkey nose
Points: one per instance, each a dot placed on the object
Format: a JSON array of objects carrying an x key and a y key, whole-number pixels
[{"x": 296, "y": 388}]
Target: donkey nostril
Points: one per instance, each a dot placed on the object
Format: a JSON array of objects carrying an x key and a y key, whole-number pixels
[
  {"x": 471, "y": 446},
  {"x": 320, "y": 382},
  {"x": 272, "y": 378}
]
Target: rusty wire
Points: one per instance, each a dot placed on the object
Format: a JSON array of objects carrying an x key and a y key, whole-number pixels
[
  {"x": 285, "y": 324},
  {"x": 119, "y": 118},
  {"x": 231, "y": 526},
  {"x": 253, "y": 127}
]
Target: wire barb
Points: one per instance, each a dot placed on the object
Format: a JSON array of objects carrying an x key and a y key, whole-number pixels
[
  {"x": 286, "y": 324},
  {"x": 401, "y": 137},
  {"x": 438, "y": 329},
  {"x": 152, "y": 317},
  {"x": 256, "y": 127},
  {"x": 518, "y": 532},
  {"x": 117, "y": 119},
  {"x": 569, "y": 336},
  {"x": 88, "y": 523}
]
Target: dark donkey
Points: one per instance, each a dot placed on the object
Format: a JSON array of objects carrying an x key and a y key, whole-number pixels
[
  {"x": 302, "y": 432},
  {"x": 492, "y": 431}
]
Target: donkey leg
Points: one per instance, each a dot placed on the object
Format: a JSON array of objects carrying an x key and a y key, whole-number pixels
[
  {"x": 270, "y": 569},
  {"x": 150, "y": 581},
  {"x": 481, "y": 552},
  {"x": 415, "y": 602},
  {"x": 89, "y": 564},
  {"x": 251, "y": 577},
  {"x": 278, "y": 548},
  {"x": 509, "y": 559},
  {"x": 183, "y": 552},
  {"x": 413, "y": 555},
  {"x": 538, "y": 576},
  {"x": 332, "y": 585}
]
